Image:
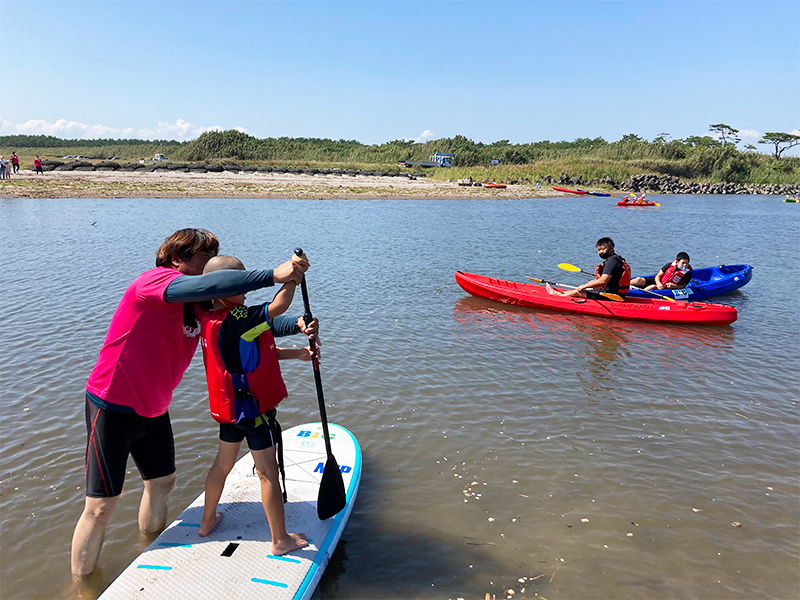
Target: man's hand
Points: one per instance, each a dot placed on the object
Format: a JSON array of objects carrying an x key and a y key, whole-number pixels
[{"x": 292, "y": 270}]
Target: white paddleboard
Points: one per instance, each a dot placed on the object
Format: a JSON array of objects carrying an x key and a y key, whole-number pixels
[{"x": 235, "y": 560}]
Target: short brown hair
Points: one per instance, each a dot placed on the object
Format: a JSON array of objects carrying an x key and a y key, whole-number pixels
[{"x": 184, "y": 244}]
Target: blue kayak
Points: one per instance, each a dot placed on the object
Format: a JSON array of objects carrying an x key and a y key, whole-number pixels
[{"x": 708, "y": 282}]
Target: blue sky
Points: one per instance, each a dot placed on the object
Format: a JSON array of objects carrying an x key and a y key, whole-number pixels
[{"x": 379, "y": 71}]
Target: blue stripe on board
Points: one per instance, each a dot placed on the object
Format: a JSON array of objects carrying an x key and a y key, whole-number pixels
[
  {"x": 268, "y": 582},
  {"x": 174, "y": 545},
  {"x": 188, "y": 524},
  {"x": 284, "y": 558},
  {"x": 326, "y": 548},
  {"x": 154, "y": 567}
]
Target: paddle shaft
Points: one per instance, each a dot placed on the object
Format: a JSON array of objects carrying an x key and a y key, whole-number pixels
[
  {"x": 308, "y": 317},
  {"x": 332, "y": 497},
  {"x": 615, "y": 297}
]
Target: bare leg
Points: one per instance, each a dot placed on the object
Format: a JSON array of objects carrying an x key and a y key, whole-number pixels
[
  {"x": 153, "y": 507},
  {"x": 215, "y": 483},
  {"x": 568, "y": 293},
  {"x": 271, "y": 498},
  {"x": 87, "y": 540}
]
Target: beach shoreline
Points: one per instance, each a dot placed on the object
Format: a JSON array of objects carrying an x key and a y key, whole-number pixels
[{"x": 171, "y": 184}]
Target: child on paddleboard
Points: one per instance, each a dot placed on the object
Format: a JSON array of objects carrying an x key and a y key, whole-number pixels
[{"x": 244, "y": 387}]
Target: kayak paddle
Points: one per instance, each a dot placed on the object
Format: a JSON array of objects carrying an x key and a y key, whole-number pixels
[
  {"x": 574, "y": 269},
  {"x": 332, "y": 497},
  {"x": 614, "y": 297}
]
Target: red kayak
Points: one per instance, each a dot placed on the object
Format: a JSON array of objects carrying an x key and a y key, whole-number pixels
[
  {"x": 495, "y": 185},
  {"x": 644, "y": 309},
  {"x": 559, "y": 189}
]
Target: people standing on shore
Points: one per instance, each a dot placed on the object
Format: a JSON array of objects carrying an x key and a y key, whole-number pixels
[
  {"x": 37, "y": 164},
  {"x": 14, "y": 161},
  {"x": 2, "y": 168},
  {"x": 150, "y": 342}
]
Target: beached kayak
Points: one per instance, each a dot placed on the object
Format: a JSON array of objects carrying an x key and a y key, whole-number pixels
[
  {"x": 644, "y": 309},
  {"x": 706, "y": 283},
  {"x": 492, "y": 184},
  {"x": 560, "y": 189}
]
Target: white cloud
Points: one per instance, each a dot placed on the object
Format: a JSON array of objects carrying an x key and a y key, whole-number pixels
[
  {"x": 749, "y": 133},
  {"x": 795, "y": 132},
  {"x": 425, "y": 135},
  {"x": 180, "y": 130}
]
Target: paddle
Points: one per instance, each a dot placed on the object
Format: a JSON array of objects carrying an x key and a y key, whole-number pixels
[
  {"x": 332, "y": 497},
  {"x": 613, "y": 297},
  {"x": 574, "y": 269}
]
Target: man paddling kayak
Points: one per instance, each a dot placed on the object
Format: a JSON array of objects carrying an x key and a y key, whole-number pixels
[
  {"x": 613, "y": 275},
  {"x": 150, "y": 342}
]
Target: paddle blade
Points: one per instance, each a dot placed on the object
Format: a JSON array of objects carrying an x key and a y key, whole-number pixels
[
  {"x": 569, "y": 267},
  {"x": 331, "y": 498},
  {"x": 534, "y": 279}
]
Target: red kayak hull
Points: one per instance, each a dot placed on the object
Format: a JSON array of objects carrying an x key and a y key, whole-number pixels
[
  {"x": 642, "y": 309},
  {"x": 622, "y": 203}
]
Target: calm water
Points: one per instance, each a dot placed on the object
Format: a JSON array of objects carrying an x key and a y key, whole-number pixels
[{"x": 490, "y": 433}]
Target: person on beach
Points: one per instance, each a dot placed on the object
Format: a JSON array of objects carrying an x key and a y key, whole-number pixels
[
  {"x": 244, "y": 387},
  {"x": 2, "y": 168},
  {"x": 14, "y": 162},
  {"x": 37, "y": 164},
  {"x": 612, "y": 276},
  {"x": 672, "y": 276},
  {"x": 150, "y": 342}
]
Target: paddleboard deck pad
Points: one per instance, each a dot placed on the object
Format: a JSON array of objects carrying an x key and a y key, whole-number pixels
[{"x": 235, "y": 560}]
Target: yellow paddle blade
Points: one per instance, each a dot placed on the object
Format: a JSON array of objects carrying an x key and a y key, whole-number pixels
[
  {"x": 657, "y": 204},
  {"x": 613, "y": 297},
  {"x": 534, "y": 279},
  {"x": 569, "y": 267}
]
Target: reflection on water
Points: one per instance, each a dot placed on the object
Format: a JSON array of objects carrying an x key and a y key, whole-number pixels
[{"x": 500, "y": 443}]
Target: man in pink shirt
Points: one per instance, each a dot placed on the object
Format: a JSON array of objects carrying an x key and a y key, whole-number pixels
[{"x": 149, "y": 345}]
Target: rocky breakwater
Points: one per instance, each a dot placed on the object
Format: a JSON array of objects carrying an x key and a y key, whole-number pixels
[{"x": 668, "y": 184}]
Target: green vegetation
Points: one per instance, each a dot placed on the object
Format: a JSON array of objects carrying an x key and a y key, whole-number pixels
[{"x": 696, "y": 158}]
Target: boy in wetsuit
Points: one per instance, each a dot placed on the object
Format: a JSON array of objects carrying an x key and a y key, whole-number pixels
[
  {"x": 679, "y": 269},
  {"x": 245, "y": 384},
  {"x": 613, "y": 275}
]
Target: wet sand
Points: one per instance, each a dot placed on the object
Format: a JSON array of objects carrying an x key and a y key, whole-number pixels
[{"x": 170, "y": 184}]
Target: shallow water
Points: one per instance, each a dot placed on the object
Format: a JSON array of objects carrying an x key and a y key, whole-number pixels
[{"x": 499, "y": 442}]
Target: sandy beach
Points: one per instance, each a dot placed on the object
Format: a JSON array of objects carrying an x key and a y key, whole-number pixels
[{"x": 171, "y": 184}]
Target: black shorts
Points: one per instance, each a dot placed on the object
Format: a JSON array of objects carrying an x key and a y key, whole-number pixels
[
  {"x": 649, "y": 281},
  {"x": 112, "y": 436},
  {"x": 595, "y": 295},
  {"x": 258, "y": 431}
]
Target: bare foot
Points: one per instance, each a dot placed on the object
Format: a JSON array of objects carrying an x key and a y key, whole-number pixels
[
  {"x": 293, "y": 541},
  {"x": 206, "y": 528},
  {"x": 549, "y": 289}
]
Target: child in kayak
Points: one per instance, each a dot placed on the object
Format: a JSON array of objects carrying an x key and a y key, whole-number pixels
[
  {"x": 672, "y": 276},
  {"x": 613, "y": 275},
  {"x": 244, "y": 386}
]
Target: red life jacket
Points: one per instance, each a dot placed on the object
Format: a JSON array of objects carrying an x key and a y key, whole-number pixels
[
  {"x": 226, "y": 391},
  {"x": 625, "y": 278},
  {"x": 674, "y": 273}
]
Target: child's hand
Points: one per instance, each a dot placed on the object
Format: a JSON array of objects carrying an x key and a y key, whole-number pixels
[
  {"x": 311, "y": 330},
  {"x": 308, "y": 355}
]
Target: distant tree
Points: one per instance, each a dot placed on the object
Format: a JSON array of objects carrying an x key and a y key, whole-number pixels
[
  {"x": 781, "y": 141},
  {"x": 661, "y": 139},
  {"x": 696, "y": 141},
  {"x": 726, "y": 133},
  {"x": 631, "y": 138},
  {"x": 750, "y": 148}
]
